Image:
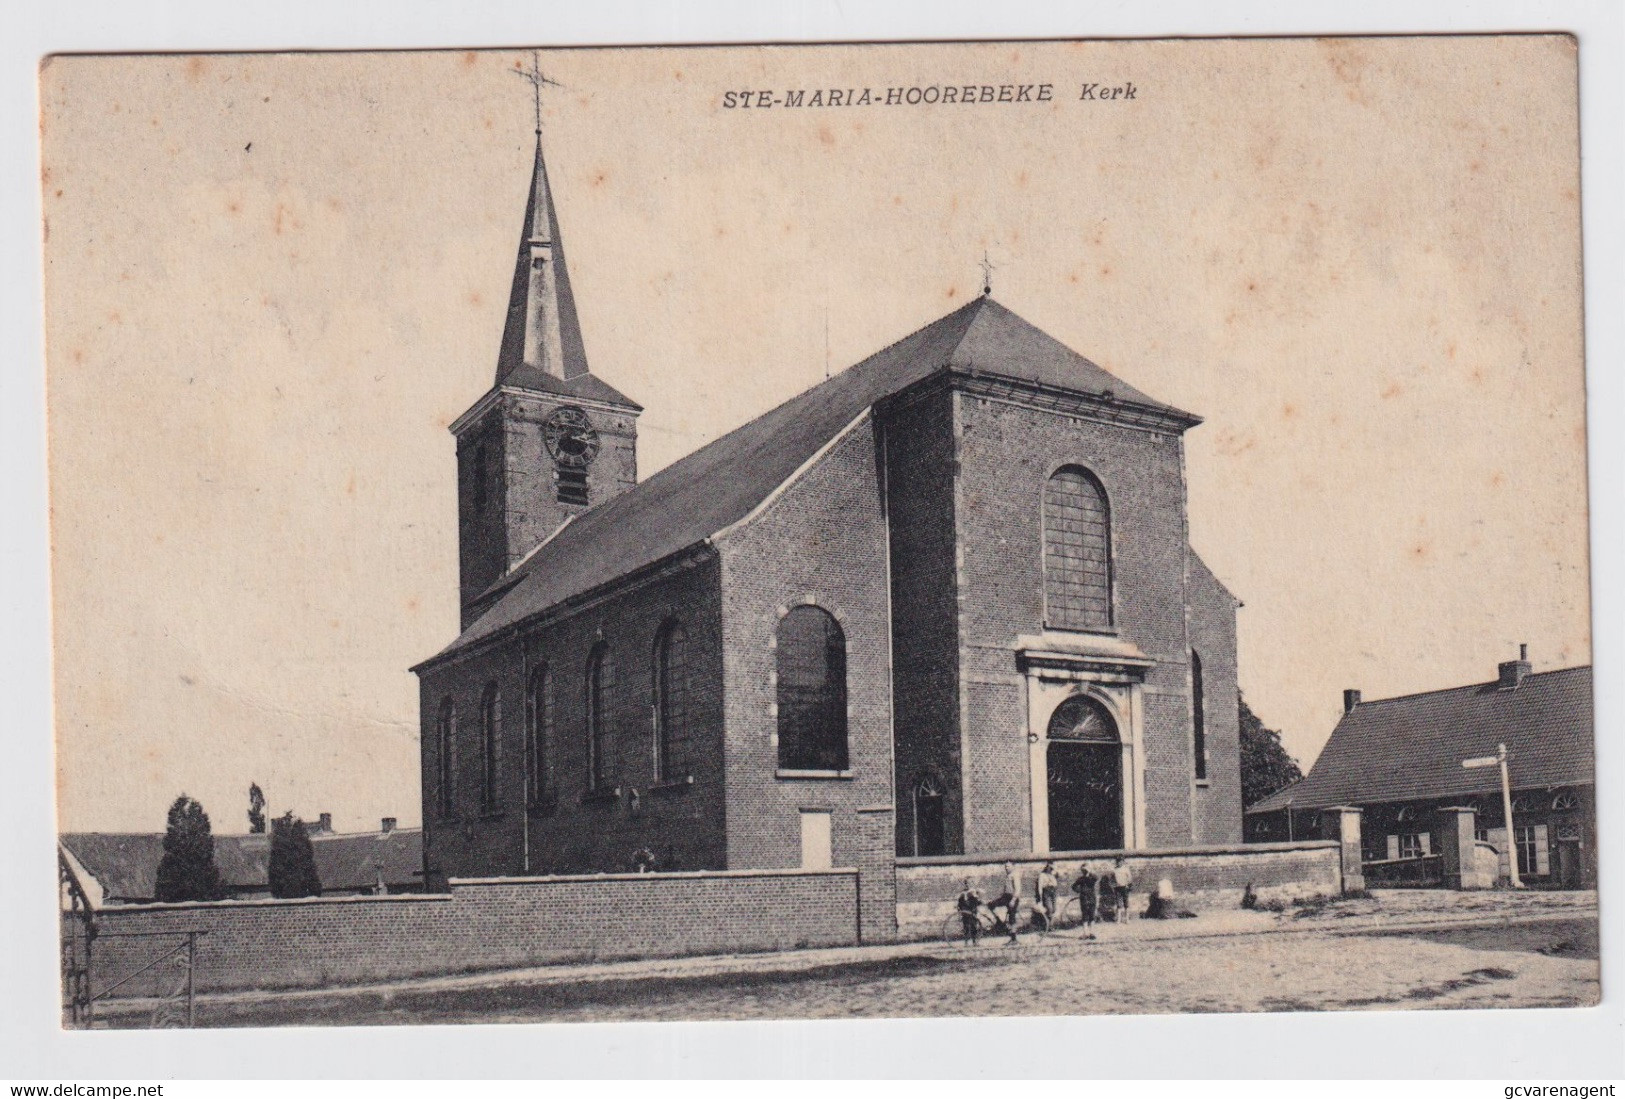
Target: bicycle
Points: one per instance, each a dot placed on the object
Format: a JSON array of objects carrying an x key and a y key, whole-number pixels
[
  {"x": 953, "y": 930},
  {"x": 1071, "y": 913}
]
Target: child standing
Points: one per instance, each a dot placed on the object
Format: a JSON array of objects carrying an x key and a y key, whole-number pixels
[
  {"x": 1087, "y": 887},
  {"x": 968, "y": 904},
  {"x": 1122, "y": 883},
  {"x": 1046, "y": 886}
]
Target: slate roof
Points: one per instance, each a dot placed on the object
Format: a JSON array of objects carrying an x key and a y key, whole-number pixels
[
  {"x": 1401, "y": 749},
  {"x": 125, "y": 864},
  {"x": 719, "y": 484},
  {"x": 542, "y": 223}
]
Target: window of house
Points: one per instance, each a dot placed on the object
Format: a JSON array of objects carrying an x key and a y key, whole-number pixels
[
  {"x": 811, "y": 691},
  {"x": 538, "y": 734},
  {"x": 1077, "y": 552},
  {"x": 1530, "y": 840},
  {"x": 445, "y": 746},
  {"x": 600, "y": 684},
  {"x": 671, "y": 702},
  {"x": 1198, "y": 718},
  {"x": 1564, "y": 803},
  {"x": 1412, "y": 845},
  {"x": 490, "y": 749}
]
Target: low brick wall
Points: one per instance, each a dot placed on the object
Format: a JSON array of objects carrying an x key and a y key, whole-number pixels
[
  {"x": 1202, "y": 877},
  {"x": 483, "y": 924}
]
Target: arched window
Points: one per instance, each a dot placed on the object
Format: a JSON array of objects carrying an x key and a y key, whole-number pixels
[
  {"x": 600, "y": 684},
  {"x": 538, "y": 735},
  {"x": 1565, "y": 803},
  {"x": 671, "y": 702},
  {"x": 1198, "y": 717},
  {"x": 445, "y": 762},
  {"x": 812, "y": 691},
  {"x": 1077, "y": 552},
  {"x": 929, "y": 834},
  {"x": 490, "y": 749}
]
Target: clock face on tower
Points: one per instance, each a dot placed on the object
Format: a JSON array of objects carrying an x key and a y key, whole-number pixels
[{"x": 570, "y": 438}]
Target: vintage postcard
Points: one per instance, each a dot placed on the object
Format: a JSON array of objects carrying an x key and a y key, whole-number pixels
[{"x": 1024, "y": 528}]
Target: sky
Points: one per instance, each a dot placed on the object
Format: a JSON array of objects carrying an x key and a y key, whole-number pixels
[{"x": 272, "y": 281}]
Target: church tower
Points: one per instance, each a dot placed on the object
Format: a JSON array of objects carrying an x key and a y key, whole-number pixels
[{"x": 549, "y": 440}]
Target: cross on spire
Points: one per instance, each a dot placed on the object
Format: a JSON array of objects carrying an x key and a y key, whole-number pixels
[
  {"x": 537, "y": 79},
  {"x": 988, "y": 267}
]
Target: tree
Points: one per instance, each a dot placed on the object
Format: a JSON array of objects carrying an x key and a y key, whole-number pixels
[
  {"x": 256, "y": 809},
  {"x": 187, "y": 871},
  {"x": 293, "y": 862},
  {"x": 1266, "y": 765}
]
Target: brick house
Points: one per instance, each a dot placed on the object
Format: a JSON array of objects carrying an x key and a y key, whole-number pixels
[
  {"x": 1399, "y": 760},
  {"x": 943, "y": 603}
]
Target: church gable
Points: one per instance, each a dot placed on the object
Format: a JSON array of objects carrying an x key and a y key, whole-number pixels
[{"x": 694, "y": 499}]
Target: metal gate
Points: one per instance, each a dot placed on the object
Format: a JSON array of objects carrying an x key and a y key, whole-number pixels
[{"x": 162, "y": 984}]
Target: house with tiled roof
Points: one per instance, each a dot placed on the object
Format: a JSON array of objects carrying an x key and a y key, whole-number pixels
[
  {"x": 1400, "y": 760},
  {"x": 943, "y": 603},
  {"x": 124, "y": 865}
]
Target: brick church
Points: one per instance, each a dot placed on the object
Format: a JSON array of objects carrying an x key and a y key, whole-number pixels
[{"x": 941, "y": 604}]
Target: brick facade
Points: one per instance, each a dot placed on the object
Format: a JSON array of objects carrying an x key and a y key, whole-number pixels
[
  {"x": 918, "y": 442},
  {"x": 1216, "y": 801},
  {"x": 822, "y": 542},
  {"x": 574, "y": 829},
  {"x": 519, "y": 506},
  {"x": 1006, "y": 454}
]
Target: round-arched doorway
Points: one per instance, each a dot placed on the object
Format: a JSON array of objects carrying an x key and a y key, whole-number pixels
[{"x": 1084, "y": 761}]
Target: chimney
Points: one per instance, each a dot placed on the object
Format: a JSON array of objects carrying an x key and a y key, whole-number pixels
[
  {"x": 1511, "y": 672},
  {"x": 1351, "y": 699},
  {"x": 324, "y": 822},
  {"x": 387, "y": 825}
]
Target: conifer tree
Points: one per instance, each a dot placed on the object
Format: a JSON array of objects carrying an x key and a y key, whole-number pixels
[
  {"x": 292, "y": 871},
  {"x": 256, "y": 809},
  {"x": 187, "y": 871}
]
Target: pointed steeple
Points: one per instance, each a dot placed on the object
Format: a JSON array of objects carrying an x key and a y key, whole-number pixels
[{"x": 542, "y": 334}]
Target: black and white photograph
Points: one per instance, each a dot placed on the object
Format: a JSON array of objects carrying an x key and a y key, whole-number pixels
[{"x": 798, "y": 532}]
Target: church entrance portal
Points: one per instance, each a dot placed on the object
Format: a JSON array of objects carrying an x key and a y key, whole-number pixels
[{"x": 1085, "y": 765}]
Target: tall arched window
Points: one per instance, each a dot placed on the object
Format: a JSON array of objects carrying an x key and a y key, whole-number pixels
[
  {"x": 671, "y": 702},
  {"x": 538, "y": 735},
  {"x": 490, "y": 749},
  {"x": 929, "y": 833},
  {"x": 1077, "y": 552},
  {"x": 600, "y": 684},
  {"x": 812, "y": 691},
  {"x": 445, "y": 763},
  {"x": 1198, "y": 717}
]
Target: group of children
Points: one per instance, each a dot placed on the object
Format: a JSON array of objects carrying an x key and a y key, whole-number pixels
[{"x": 1111, "y": 888}]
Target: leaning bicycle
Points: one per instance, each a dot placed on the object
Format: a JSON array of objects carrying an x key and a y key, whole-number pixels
[{"x": 953, "y": 928}]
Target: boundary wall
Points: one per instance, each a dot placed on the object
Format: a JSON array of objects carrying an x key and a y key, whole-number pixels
[
  {"x": 1202, "y": 877},
  {"x": 485, "y": 923}
]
